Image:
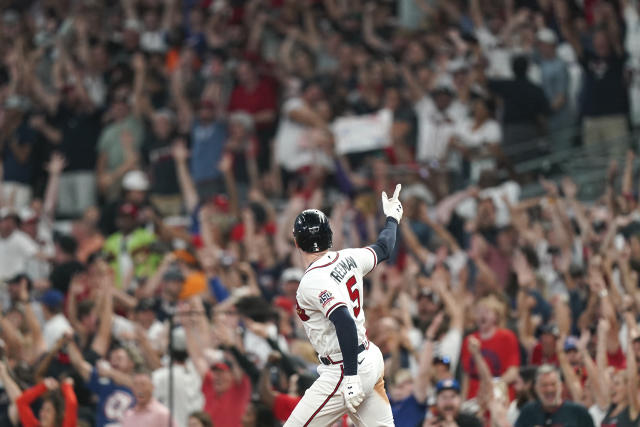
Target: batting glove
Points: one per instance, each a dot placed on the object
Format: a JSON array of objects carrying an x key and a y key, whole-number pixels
[
  {"x": 352, "y": 391},
  {"x": 392, "y": 206}
]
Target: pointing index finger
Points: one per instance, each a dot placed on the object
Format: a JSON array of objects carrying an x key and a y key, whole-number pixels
[{"x": 396, "y": 193}]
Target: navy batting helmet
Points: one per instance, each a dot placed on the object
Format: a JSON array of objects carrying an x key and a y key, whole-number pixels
[{"x": 312, "y": 231}]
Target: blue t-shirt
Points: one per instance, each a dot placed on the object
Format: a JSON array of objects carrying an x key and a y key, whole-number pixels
[
  {"x": 408, "y": 412},
  {"x": 113, "y": 399},
  {"x": 207, "y": 145}
]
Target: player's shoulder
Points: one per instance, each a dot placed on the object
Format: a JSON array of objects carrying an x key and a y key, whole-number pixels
[{"x": 358, "y": 253}]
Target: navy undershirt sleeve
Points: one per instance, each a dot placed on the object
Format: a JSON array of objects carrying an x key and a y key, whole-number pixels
[
  {"x": 347, "y": 338},
  {"x": 383, "y": 247}
]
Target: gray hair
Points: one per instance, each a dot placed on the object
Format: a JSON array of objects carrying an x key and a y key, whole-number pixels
[{"x": 546, "y": 369}]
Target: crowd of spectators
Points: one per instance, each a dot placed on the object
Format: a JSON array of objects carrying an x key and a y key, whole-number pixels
[{"x": 155, "y": 153}]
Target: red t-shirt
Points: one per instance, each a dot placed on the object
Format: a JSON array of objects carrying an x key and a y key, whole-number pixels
[
  {"x": 501, "y": 352},
  {"x": 262, "y": 98},
  {"x": 617, "y": 359},
  {"x": 226, "y": 409},
  {"x": 284, "y": 405},
  {"x": 538, "y": 358}
]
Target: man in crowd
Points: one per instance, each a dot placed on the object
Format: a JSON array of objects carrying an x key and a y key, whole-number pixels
[
  {"x": 147, "y": 411},
  {"x": 551, "y": 408},
  {"x": 447, "y": 408}
]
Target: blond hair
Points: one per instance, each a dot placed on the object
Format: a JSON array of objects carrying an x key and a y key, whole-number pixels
[{"x": 496, "y": 305}]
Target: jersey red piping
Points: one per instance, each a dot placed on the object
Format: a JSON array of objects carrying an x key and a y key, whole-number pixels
[
  {"x": 328, "y": 397},
  {"x": 334, "y": 306},
  {"x": 321, "y": 266}
]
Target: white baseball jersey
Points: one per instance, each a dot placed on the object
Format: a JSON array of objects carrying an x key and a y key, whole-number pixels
[{"x": 332, "y": 281}]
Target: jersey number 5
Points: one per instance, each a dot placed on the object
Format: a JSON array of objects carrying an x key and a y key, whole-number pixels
[{"x": 354, "y": 294}]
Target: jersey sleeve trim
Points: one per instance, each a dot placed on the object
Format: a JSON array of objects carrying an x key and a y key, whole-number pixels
[
  {"x": 333, "y": 307},
  {"x": 375, "y": 258}
]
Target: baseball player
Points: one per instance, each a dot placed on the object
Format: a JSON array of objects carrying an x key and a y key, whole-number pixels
[{"x": 329, "y": 303}]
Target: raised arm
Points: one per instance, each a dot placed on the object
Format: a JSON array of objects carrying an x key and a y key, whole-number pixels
[
  {"x": 392, "y": 208},
  {"x": 12, "y": 389},
  {"x": 632, "y": 366},
  {"x": 81, "y": 366},
  {"x": 194, "y": 347},
  {"x": 601, "y": 394},
  {"x": 604, "y": 328},
  {"x": 70, "y": 404},
  {"x": 570, "y": 377},
  {"x": 484, "y": 373},
  {"x": 102, "y": 340},
  {"x": 32, "y": 322},
  {"x": 425, "y": 361},
  {"x": 27, "y": 417},
  {"x": 187, "y": 186},
  {"x": 266, "y": 393},
  {"x": 56, "y": 165}
]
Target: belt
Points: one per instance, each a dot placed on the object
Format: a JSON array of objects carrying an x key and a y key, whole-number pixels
[{"x": 326, "y": 360}]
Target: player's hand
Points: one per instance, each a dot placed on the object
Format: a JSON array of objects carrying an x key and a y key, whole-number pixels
[
  {"x": 352, "y": 392},
  {"x": 392, "y": 206}
]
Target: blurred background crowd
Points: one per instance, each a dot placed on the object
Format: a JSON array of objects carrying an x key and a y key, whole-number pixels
[{"x": 155, "y": 153}]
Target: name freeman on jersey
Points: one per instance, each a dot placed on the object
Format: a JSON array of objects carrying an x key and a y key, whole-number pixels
[{"x": 342, "y": 268}]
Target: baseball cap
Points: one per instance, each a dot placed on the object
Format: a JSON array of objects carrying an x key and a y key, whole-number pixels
[
  {"x": 52, "y": 298},
  {"x": 194, "y": 284},
  {"x": 442, "y": 359},
  {"x": 223, "y": 365},
  {"x": 571, "y": 343},
  {"x": 546, "y": 35},
  {"x": 8, "y": 212},
  {"x": 444, "y": 84},
  {"x": 135, "y": 180},
  {"x": 179, "y": 339},
  {"x": 448, "y": 384},
  {"x": 291, "y": 275},
  {"x": 548, "y": 329},
  {"x": 27, "y": 215}
]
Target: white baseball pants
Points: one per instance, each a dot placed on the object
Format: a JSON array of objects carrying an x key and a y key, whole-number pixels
[{"x": 323, "y": 403}]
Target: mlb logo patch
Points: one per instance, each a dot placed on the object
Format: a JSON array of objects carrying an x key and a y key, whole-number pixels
[{"x": 325, "y": 297}]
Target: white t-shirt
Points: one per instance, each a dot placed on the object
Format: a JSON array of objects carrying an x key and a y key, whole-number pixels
[
  {"x": 499, "y": 56},
  {"x": 467, "y": 209},
  {"x": 478, "y": 139},
  {"x": 54, "y": 329},
  {"x": 15, "y": 251},
  {"x": 332, "y": 281},
  {"x": 436, "y": 127},
  {"x": 293, "y": 147},
  {"x": 597, "y": 414},
  {"x": 187, "y": 394}
]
